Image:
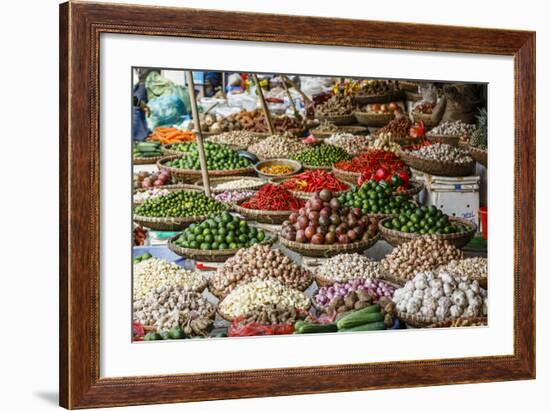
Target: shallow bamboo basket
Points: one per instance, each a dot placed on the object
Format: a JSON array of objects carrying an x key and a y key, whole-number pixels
[
  {"x": 323, "y": 250},
  {"x": 437, "y": 167},
  {"x": 459, "y": 240}
]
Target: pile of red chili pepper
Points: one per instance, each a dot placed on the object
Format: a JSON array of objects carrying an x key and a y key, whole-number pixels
[
  {"x": 273, "y": 198},
  {"x": 314, "y": 181},
  {"x": 371, "y": 161}
]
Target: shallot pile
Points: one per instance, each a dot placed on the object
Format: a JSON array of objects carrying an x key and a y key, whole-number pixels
[{"x": 354, "y": 294}]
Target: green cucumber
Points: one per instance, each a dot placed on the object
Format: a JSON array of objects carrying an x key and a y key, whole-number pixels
[
  {"x": 378, "y": 325},
  {"x": 311, "y": 328},
  {"x": 369, "y": 314}
]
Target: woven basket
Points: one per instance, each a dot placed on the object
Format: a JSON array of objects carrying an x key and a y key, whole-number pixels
[
  {"x": 295, "y": 165},
  {"x": 169, "y": 187},
  {"x": 346, "y": 176},
  {"x": 145, "y": 160},
  {"x": 210, "y": 255},
  {"x": 459, "y": 240},
  {"x": 373, "y": 119},
  {"x": 440, "y": 138},
  {"x": 417, "y": 321},
  {"x": 427, "y": 119},
  {"x": 167, "y": 223},
  {"x": 321, "y": 250},
  {"x": 437, "y": 167},
  {"x": 339, "y": 120},
  {"x": 416, "y": 187},
  {"x": 378, "y": 98},
  {"x": 218, "y": 180},
  {"x": 478, "y": 155},
  {"x": 187, "y": 175},
  {"x": 447, "y": 323},
  {"x": 262, "y": 216}
]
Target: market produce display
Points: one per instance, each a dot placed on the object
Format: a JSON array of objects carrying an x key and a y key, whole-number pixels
[
  {"x": 443, "y": 152},
  {"x": 271, "y": 314},
  {"x": 351, "y": 143},
  {"x": 343, "y": 267},
  {"x": 243, "y": 183},
  {"x": 220, "y": 232},
  {"x": 179, "y": 204},
  {"x": 259, "y": 262},
  {"x": 337, "y": 105},
  {"x": 324, "y": 220},
  {"x": 233, "y": 196},
  {"x": 437, "y": 297},
  {"x": 378, "y": 165},
  {"x": 237, "y": 138},
  {"x": 145, "y": 179},
  {"x": 237, "y": 121},
  {"x": 326, "y": 126},
  {"x": 277, "y": 146},
  {"x": 141, "y": 196},
  {"x": 218, "y": 157},
  {"x": 273, "y": 198},
  {"x": 151, "y": 273},
  {"x": 377, "y": 87},
  {"x": 324, "y": 155},
  {"x": 170, "y": 306},
  {"x": 384, "y": 108},
  {"x": 252, "y": 296},
  {"x": 171, "y": 135},
  {"x": 314, "y": 181},
  {"x": 399, "y": 128},
  {"x": 424, "y": 220},
  {"x": 276, "y": 169},
  {"x": 146, "y": 149},
  {"x": 421, "y": 254},
  {"x": 376, "y": 198},
  {"x": 473, "y": 268},
  {"x": 385, "y": 141},
  {"x": 453, "y": 128},
  {"x": 354, "y": 294}
]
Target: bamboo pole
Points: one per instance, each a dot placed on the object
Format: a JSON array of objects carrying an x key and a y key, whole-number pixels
[
  {"x": 296, "y": 113},
  {"x": 198, "y": 132},
  {"x": 264, "y": 105}
]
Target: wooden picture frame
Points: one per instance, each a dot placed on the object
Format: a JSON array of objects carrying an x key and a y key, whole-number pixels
[{"x": 80, "y": 27}]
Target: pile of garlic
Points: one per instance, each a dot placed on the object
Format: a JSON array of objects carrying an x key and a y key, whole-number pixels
[{"x": 441, "y": 296}]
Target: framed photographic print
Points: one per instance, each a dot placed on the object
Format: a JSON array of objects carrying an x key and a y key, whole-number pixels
[{"x": 257, "y": 205}]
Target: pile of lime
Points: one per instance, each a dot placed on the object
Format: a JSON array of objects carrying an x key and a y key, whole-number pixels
[
  {"x": 376, "y": 198},
  {"x": 174, "y": 333},
  {"x": 218, "y": 157},
  {"x": 425, "y": 220},
  {"x": 179, "y": 204},
  {"x": 220, "y": 232},
  {"x": 323, "y": 155}
]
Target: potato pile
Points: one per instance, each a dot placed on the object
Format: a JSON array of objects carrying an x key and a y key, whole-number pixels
[
  {"x": 421, "y": 254},
  {"x": 259, "y": 262},
  {"x": 252, "y": 296}
]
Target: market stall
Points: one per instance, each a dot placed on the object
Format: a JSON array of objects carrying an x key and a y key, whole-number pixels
[{"x": 354, "y": 209}]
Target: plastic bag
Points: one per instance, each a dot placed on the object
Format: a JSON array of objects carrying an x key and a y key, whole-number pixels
[
  {"x": 165, "y": 111},
  {"x": 237, "y": 329}
]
